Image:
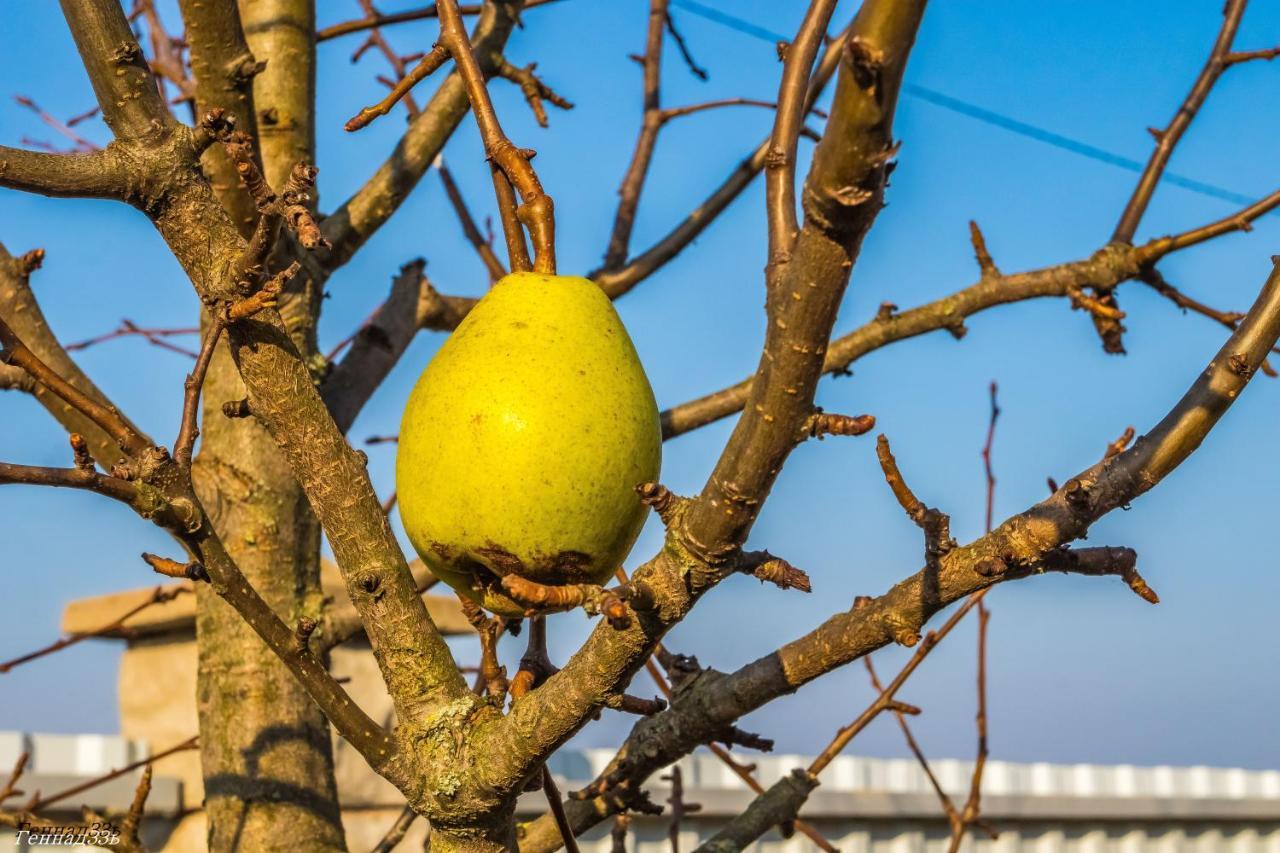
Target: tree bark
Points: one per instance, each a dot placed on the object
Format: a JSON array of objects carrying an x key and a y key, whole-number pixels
[{"x": 266, "y": 751}]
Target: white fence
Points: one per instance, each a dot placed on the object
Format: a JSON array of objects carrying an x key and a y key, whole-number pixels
[{"x": 864, "y": 805}]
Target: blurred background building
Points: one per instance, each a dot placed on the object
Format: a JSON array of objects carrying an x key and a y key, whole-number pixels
[{"x": 864, "y": 805}]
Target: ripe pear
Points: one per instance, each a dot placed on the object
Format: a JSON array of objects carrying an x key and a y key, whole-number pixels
[{"x": 524, "y": 439}]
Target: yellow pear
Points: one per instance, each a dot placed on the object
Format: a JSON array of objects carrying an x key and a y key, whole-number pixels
[{"x": 524, "y": 439}]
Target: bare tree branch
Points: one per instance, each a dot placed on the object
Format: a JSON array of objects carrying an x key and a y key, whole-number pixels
[
  {"x": 432, "y": 11},
  {"x": 94, "y": 174},
  {"x": 616, "y": 282},
  {"x": 1108, "y": 267},
  {"x": 536, "y": 211},
  {"x": 20, "y": 310},
  {"x": 705, "y": 535},
  {"x": 1025, "y": 544},
  {"x": 780, "y": 161},
  {"x": 223, "y": 68},
  {"x": 131, "y": 102},
  {"x": 160, "y": 489},
  {"x": 356, "y": 219},
  {"x": 633, "y": 180},
  {"x": 159, "y": 595},
  {"x": 1168, "y": 138},
  {"x": 412, "y": 305}
]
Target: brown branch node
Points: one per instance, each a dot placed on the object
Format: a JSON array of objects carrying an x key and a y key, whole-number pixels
[
  {"x": 986, "y": 265},
  {"x": 1118, "y": 446},
  {"x": 666, "y": 503},
  {"x": 538, "y": 598},
  {"x": 294, "y": 198},
  {"x": 192, "y": 571},
  {"x": 775, "y": 570},
  {"x": 641, "y": 707},
  {"x": 80, "y": 452},
  {"x": 935, "y": 523},
  {"x": 821, "y": 424},
  {"x": 535, "y": 91},
  {"x": 266, "y": 296},
  {"x": 302, "y": 631}
]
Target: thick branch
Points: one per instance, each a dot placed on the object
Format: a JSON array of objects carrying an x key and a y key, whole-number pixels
[
  {"x": 20, "y": 310},
  {"x": 132, "y": 105},
  {"x": 93, "y": 174},
  {"x": 842, "y": 196},
  {"x": 223, "y": 68},
  {"x": 412, "y": 305}
]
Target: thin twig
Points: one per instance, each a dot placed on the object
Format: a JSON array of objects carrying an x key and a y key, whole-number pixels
[
  {"x": 154, "y": 336},
  {"x": 986, "y": 457},
  {"x": 159, "y": 595},
  {"x": 679, "y": 807},
  {"x": 935, "y": 524},
  {"x": 947, "y": 805},
  {"x": 399, "y": 64},
  {"x": 616, "y": 282},
  {"x": 557, "y": 810},
  {"x": 63, "y": 128},
  {"x": 651, "y": 123},
  {"x": 969, "y": 816},
  {"x": 368, "y": 22},
  {"x": 483, "y": 246},
  {"x": 1109, "y": 266},
  {"x": 189, "y": 430},
  {"x": 57, "y": 797},
  {"x": 743, "y": 772},
  {"x": 1167, "y": 139},
  {"x": 886, "y": 701},
  {"x": 428, "y": 65},
  {"x": 396, "y": 832}
]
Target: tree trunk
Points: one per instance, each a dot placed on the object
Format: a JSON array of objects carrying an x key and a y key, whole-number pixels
[
  {"x": 265, "y": 747},
  {"x": 268, "y": 764},
  {"x": 498, "y": 836}
]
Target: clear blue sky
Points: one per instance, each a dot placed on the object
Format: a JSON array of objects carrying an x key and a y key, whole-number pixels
[{"x": 1080, "y": 669}]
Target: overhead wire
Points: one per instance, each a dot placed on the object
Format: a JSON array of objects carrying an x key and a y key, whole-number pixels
[{"x": 982, "y": 114}]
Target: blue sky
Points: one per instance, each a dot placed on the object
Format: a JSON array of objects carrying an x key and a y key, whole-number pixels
[{"x": 1080, "y": 669}]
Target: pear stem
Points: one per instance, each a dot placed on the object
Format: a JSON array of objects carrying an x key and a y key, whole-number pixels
[{"x": 536, "y": 211}]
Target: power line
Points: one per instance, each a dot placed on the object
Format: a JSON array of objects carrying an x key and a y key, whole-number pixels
[{"x": 982, "y": 114}]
